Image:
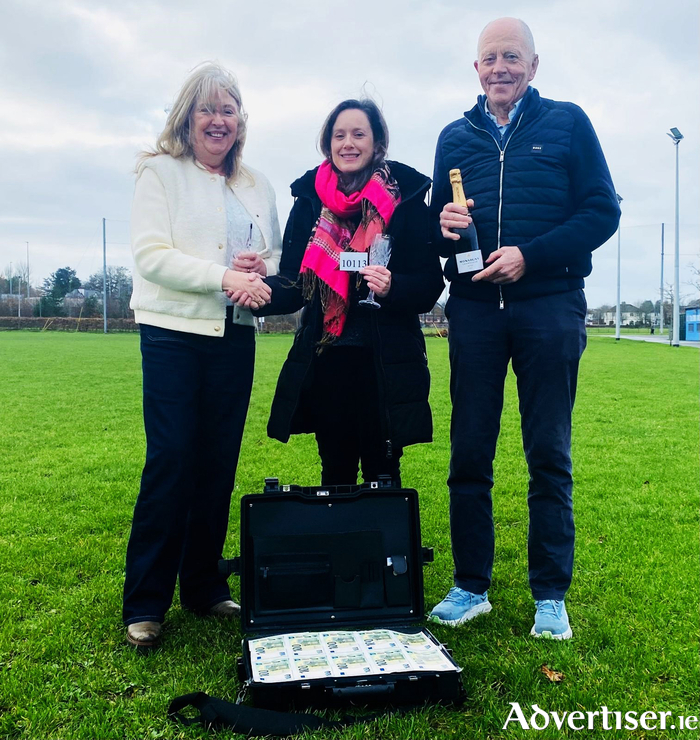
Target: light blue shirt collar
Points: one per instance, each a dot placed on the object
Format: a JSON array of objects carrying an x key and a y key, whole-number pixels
[{"x": 511, "y": 115}]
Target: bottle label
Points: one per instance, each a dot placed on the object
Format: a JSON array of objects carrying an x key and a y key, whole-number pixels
[{"x": 469, "y": 261}]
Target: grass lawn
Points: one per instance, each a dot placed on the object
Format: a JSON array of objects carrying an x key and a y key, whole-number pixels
[{"x": 72, "y": 448}]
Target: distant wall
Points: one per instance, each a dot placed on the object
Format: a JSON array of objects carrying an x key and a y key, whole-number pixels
[{"x": 62, "y": 323}]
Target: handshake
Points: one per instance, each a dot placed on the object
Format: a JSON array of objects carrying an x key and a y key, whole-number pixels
[{"x": 244, "y": 285}]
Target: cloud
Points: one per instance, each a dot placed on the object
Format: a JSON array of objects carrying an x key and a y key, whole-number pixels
[{"x": 85, "y": 85}]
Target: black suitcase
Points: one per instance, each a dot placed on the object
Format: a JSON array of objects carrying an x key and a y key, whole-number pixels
[{"x": 332, "y": 588}]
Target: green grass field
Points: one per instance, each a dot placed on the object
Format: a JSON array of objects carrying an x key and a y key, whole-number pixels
[
  {"x": 72, "y": 448},
  {"x": 593, "y": 330}
]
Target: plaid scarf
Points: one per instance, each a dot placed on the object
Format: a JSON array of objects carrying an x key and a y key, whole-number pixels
[{"x": 333, "y": 234}]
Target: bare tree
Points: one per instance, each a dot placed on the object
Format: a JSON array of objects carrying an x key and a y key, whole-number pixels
[
  {"x": 22, "y": 270},
  {"x": 694, "y": 270},
  {"x": 119, "y": 288},
  {"x": 16, "y": 275},
  {"x": 118, "y": 282},
  {"x": 683, "y": 298}
]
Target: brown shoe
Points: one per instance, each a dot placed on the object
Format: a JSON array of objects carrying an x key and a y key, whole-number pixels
[
  {"x": 143, "y": 634},
  {"x": 225, "y": 609}
]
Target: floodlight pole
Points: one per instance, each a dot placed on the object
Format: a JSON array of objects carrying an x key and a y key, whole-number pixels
[
  {"x": 104, "y": 273},
  {"x": 676, "y": 269},
  {"x": 661, "y": 286},
  {"x": 617, "y": 312},
  {"x": 28, "y": 270}
]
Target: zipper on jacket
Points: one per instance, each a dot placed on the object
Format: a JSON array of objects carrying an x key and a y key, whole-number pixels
[
  {"x": 500, "y": 183},
  {"x": 501, "y": 158},
  {"x": 500, "y": 196}
]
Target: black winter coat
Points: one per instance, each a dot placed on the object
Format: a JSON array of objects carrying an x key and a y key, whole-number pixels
[{"x": 399, "y": 347}]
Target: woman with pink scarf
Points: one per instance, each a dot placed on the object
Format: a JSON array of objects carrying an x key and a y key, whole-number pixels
[{"x": 356, "y": 377}]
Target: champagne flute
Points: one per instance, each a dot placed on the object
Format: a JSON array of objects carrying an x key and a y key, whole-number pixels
[
  {"x": 239, "y": 248},
  {"x": 379, "y": 254}
]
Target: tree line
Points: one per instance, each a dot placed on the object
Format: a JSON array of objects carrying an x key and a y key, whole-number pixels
[
  {"x": 58, "y": 295},
  {"x": 647, "y": 311}
]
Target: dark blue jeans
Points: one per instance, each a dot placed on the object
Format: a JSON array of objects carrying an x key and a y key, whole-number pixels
[
  {"x": 544, "y": 339},
  {"x": 196, "y": 391}
]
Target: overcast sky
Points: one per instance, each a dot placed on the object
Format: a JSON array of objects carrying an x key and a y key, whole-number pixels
[{"x": 84, "y": 86}]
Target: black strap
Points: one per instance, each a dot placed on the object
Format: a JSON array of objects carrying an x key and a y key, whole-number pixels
[{"x": 247, "y": 720}]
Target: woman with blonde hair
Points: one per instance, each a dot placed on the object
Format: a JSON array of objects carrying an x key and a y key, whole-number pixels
[{"x": 203, "y": 225}]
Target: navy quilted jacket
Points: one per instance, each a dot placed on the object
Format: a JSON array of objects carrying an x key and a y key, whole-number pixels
[{"x": 544, "y": 188}]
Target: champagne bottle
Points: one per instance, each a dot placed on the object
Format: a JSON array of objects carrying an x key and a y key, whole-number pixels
[{"x": 468, "y": 256}]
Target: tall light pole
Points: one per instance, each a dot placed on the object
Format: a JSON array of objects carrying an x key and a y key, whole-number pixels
[
  {"x": 27, "y": 269},
  {"x": 104, "y": 273},
  {"x": 661, "y": 287},
  {"x": 617, "y": 313},
  {"x": 676, "y": 135}
]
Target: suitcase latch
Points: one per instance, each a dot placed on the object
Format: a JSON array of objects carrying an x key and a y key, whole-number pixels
[
  {"x": 243, "y": 692},
  {"x": 399, "y": 564}
]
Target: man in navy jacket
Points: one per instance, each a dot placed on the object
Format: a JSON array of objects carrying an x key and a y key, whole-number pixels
[{"x": 542, "y": 200}]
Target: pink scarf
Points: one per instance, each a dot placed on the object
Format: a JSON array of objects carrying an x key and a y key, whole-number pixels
[{"x": 333, "y": 234}]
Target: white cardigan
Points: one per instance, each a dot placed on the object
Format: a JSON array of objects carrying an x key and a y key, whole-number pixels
[{"x": 178, "y": 239}]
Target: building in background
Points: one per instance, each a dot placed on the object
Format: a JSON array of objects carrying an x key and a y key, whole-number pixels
[{"x": 692, "y": 324}]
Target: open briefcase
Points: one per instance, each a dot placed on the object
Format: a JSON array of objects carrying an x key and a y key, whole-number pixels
[{"x": 331, "y": 594}]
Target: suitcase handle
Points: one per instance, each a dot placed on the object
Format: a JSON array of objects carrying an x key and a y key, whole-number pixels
[
  {"x": 370, "y": 690},
  {"x": 272, "y": 485}
]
